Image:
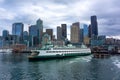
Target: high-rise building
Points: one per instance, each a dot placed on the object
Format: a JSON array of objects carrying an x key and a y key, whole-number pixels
[
  {"x": 39, "y": 24},
  {"x": 25, "y": 33},
  {"x": 46, "y": 39},
  {"x": 50, "y": 33},
  {"x": 26, "y": 38},
  {"x": 5, "y": 33},
  {"x": 86, "y": 34},
  {"x": 89, "y": 31},
  {"x": 59, "y": 33},
  {"x": 64, "y": 31},
  {"x": 33, "y": 30},
  {"x": 81, "y": 35},
  {"x": 75, "y": 32},
  {"x": 33, "y": 33},
  {"x": 94, "y": 25},
  {"x": 85, "y": 30},
  {"x": 17, "y": 30}
]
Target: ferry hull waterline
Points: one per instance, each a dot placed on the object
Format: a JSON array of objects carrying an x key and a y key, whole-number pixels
[
  {"x": 38, "y": 58},
  {"x": 58, "y": 53}
]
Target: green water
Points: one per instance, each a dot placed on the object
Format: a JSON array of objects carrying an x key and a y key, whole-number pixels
[{"x": 17, "y": 67}]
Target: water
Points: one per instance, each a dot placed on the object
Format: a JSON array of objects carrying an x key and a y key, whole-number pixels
[{"x": 17, "y": 67}]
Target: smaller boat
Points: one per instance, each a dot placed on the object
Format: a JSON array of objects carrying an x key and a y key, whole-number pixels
[
  {"x": 5, "y": 50},
  {"x": 51, "y": 52}
]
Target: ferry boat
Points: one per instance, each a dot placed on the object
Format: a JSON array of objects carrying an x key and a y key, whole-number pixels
[{"x": 50, "y": 52}]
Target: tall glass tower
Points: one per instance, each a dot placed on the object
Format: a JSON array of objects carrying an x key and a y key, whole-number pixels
[
  {"x": 5, "y": 33},
  {"x": 33, "y": 33},
  {"x": 17, "y": 30},
  {"x": 59, "y": 33},
  {"x": 94, "y": 25},
  {"x": 64, "y": 31},
  {"x": 75, "y": 32},
  {"x": 39, "y": 24}
]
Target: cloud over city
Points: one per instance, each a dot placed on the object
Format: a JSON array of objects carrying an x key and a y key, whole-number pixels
[{"x": 55, "y": 12}]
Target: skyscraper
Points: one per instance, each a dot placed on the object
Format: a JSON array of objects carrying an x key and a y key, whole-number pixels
[
  {"x": 75, "y": 33},
  {"x": 33, "y": 30},
  {"x": 85, "y": 30},
  {"x": 5, "y": 33},
  {"x": 94, "y": 25},
  {"x": 59, "y": 33},
  {"x": 86, "y": 34},
  {"x": 50, "y": 33},
  {"x": 89, "y": 31},
  {"x": 17, "y": 30},
  {"x": 26, "y": 38},
  {"x": 39, "y": 24},
  {"x": 33, "y": 33},
  {"x": 81, "y": 35},
  {"x": 64, "y": 31}
]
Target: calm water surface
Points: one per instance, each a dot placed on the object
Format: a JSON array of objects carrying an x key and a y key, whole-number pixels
[{"x": 17, "y": 67}]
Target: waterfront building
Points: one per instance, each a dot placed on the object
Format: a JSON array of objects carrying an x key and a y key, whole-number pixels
[
  {"x": 50, "y": 32},
  {"x": 59, "y": 33},
  {"x": 39, "y": 24},
  {"x": 5, "y": 36},
  {"x": 86, "y": 40},
  {"x": 110, "y": 41},
  {"x": 75, "y": 33},
  {"x": 46, "y": 39},
  {"x": 58, "y": 42},
  {"x": 64, "y": 31},
  {"x": 17, "y": 30},
  {"x": 98, "y": 40},
  {"x": 94, "y": 26}
]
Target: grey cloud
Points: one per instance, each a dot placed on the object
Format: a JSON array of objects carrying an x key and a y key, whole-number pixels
[{"x": 54, "y": 12}]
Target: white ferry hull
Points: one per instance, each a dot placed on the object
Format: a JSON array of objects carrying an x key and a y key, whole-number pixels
[{"x": 46, "y": 56}]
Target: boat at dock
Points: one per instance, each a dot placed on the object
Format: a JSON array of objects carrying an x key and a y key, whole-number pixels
[
  {"x": 51, "y": 52},
  {"x": 5, "y": 50}
]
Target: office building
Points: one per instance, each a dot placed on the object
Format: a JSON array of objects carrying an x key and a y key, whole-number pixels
[
  {"x": 59, "y": 33},
  {"x": 64, "y": 31},
  {"x": 46, "y": 39},
  {"x": 94, "y": 26},
  {"x": 17, "y": 30},
  {"x": 33, "y": 33},
  {"x": 5, "y": 33},
  {"x": 39, "y": 24},
  {"x": 75, "y": 32},
  {"x": 50, "y": 33},
  {"x": 85, "y": 30},
  {"x": 26, "y": 38},
  {"x": 81, "y": 35},
  {"x": 89, "y": 31}
]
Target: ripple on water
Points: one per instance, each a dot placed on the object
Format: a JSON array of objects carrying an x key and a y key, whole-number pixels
[
  {"x": 116, "y": 62},
  {"x": 83, "y": 59}
]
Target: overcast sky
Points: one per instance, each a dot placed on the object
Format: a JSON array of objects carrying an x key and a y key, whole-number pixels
[{"x": 55, "y": 12}]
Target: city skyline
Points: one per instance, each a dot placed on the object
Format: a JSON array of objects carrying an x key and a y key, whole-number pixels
[{"x": 56, "y": 12}]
